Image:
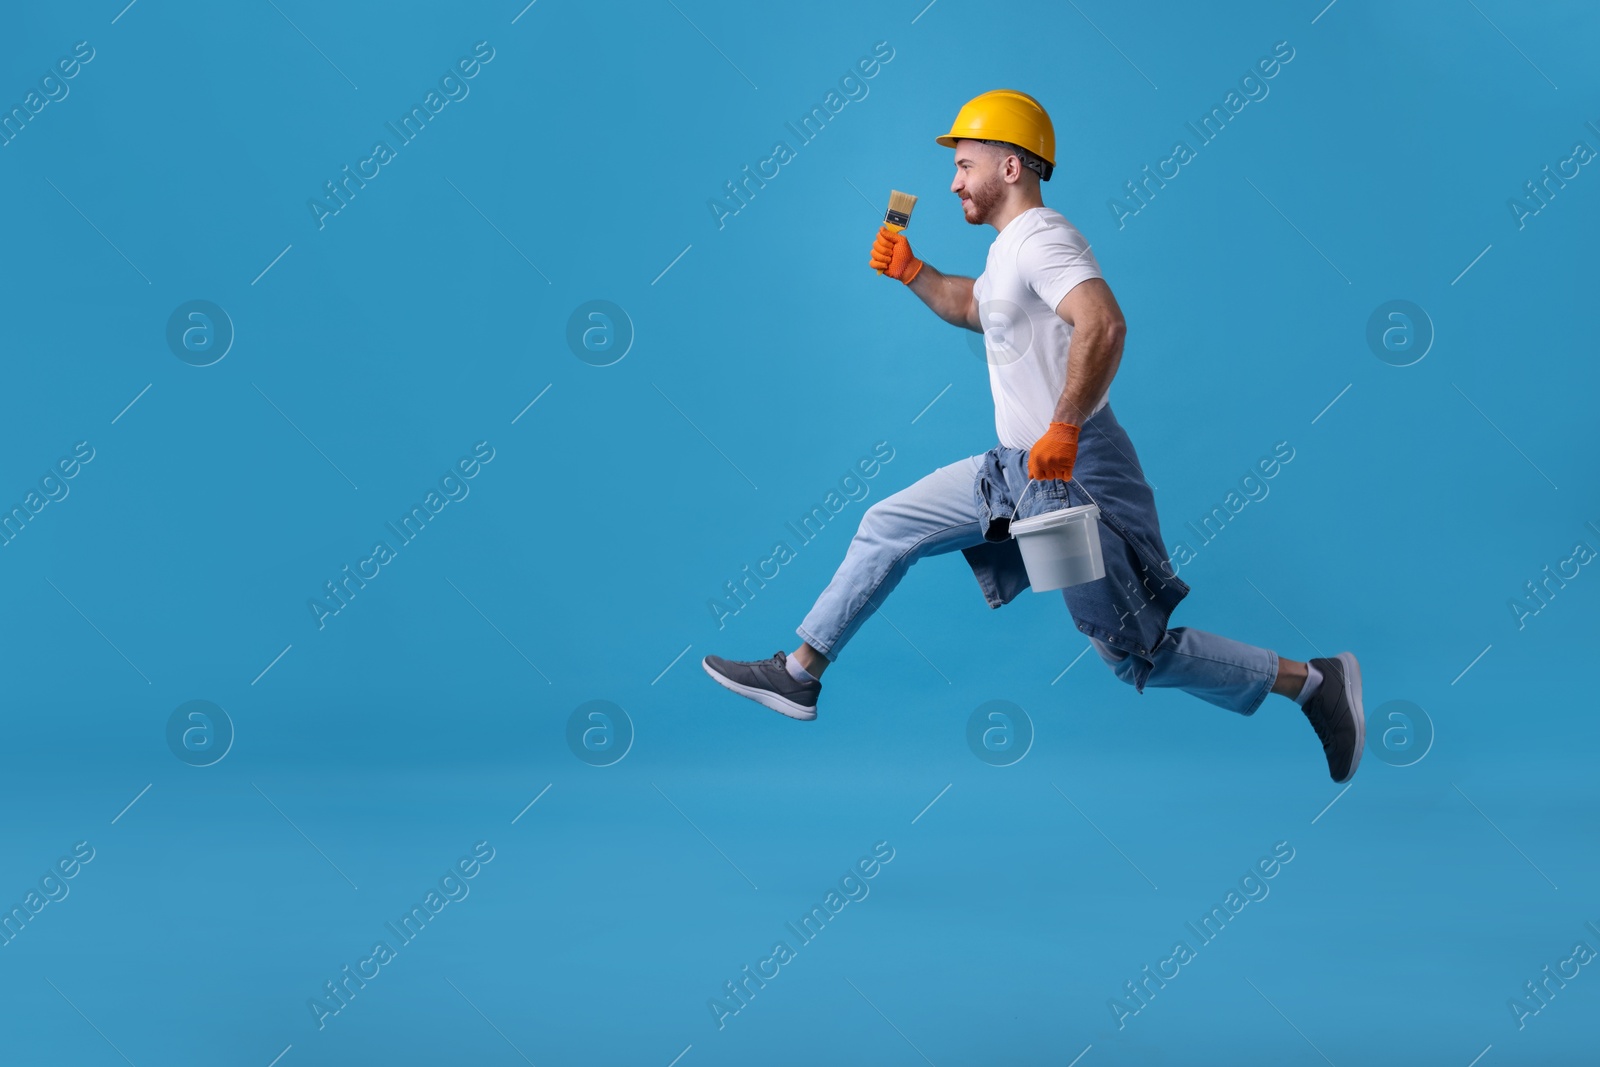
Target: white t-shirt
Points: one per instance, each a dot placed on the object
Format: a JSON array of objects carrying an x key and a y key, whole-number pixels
[{"x": 1034, "y": 262}]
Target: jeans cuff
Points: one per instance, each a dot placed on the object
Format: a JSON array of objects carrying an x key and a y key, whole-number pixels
[
  {"x": 826, "y": 653},
  {"x": 1266, "y": 689}
]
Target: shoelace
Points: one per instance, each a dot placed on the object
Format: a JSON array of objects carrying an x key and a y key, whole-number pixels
[{"x": 778, "y": 661}]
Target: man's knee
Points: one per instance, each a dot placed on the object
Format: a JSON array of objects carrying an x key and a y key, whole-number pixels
[
  {"x": 1124, "y": 665},
  {"x": 878, "y": 521}
]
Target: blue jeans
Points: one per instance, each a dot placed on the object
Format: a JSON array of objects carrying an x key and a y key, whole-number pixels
[{"x": 938, "y": 515}]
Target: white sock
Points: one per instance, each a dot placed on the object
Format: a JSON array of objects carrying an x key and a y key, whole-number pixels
[
  {"x": 797, "y": 672},
  {"x": 1307, "y": 691}
]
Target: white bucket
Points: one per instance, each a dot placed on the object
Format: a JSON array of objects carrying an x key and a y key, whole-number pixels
[{"x": 1061, "y": 548}]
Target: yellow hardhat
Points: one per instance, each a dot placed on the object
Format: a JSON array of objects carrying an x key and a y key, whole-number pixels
[{"x": 1010, "y": 116}]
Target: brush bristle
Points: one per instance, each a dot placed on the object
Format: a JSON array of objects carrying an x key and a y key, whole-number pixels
[
  {"x": 899, "y": 214},
  {"x": 901, "y": 203}
]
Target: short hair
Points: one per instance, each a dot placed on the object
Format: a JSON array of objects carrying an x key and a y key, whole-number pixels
[{"x": 1029, "y": 160}]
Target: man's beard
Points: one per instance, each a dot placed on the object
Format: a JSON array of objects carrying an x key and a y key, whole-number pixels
[{"x": 984, "y": 200}]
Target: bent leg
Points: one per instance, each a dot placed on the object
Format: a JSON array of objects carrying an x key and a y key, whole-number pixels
[
  {"x": 936, "y": 514},
  {"x": 1218, "y": 670}
]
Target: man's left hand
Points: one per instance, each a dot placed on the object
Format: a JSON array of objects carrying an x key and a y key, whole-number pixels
[{"x": 1053, "y": 455}]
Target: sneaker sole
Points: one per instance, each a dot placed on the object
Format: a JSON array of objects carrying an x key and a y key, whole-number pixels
[
  {"x": 1352, "y": 694},
  {"x": 765, "y": 697}
]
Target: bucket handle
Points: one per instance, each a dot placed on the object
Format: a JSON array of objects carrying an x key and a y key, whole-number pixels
[{"x": 1030, "y": 486}]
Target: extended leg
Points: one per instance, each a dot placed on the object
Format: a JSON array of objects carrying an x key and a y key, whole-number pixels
[
  {"x": 939, "y": 513},
  {"x": 936, "y": 514}
]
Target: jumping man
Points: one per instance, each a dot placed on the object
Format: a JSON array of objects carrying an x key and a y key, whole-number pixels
[{"x": 1053, "y": 343}]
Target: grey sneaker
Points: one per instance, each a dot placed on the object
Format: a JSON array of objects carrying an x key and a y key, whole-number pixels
[
  {"x": 768, "y": 682},
  {"x": 1335, "y": 713}
]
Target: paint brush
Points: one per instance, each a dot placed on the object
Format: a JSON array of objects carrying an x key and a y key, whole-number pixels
[{"x": 898, "y": 217}]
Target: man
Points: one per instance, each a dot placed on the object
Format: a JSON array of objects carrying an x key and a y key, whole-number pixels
[{"x": 1054, "y": 342}]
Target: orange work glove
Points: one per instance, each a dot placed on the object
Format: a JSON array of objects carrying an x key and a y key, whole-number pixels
[
  {"x": 891, "y": 255},
  {"x": 1053, "y": 455}
]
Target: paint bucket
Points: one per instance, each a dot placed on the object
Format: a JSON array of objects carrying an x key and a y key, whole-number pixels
[{"x": 1060, "y": 548}]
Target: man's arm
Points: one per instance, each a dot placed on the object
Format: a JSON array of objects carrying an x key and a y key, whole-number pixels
[
  {"x": 949, "y": 295},
  {"x": 1096, "y": 350}
]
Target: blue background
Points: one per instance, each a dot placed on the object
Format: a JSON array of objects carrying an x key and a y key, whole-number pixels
[{"x": 766, "y": 359}]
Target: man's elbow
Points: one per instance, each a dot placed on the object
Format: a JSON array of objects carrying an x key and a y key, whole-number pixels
[{"x": 1110, "y": 330}]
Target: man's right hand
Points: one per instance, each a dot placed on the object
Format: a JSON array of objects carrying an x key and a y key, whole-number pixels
[{"x": 891, "y": 256}]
